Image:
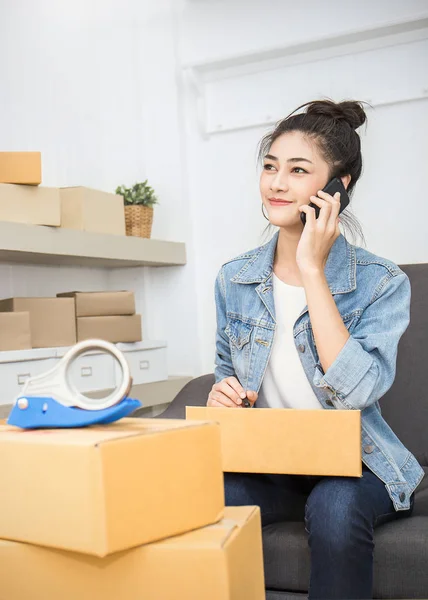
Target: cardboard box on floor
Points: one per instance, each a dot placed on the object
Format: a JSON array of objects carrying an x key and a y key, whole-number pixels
[
  {"x": 288, "y": 441},
  {"x": 113, "y": 329},
  {"x": 97, "y": 304},
  {"x": 103, "y": 489},
  {"x": 21, "y": 167},
  {"x": 15, "y": 331},
  {"x": 219, "y": 562},
  {"x": 92, "y": 210},
  {"x": 52, "y": 320},
  {"x": 30, "y": 204}
]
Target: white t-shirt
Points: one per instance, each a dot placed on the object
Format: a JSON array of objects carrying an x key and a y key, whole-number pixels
[{"x": 285, "y": 384}]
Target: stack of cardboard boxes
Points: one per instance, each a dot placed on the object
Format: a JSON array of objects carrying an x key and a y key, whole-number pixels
[
  {"x": 127, "y": 511},
  {"x": 106, "y": 315},
  {"x": 72, "y": 316},
  {"x": 49, "y": 322},
  {"x": 22, "y": 200}
]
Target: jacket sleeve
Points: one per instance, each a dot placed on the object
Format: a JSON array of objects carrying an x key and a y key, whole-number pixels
[
  {"x": 223, "y": 360},
  {"x": 364, "y": 369}
]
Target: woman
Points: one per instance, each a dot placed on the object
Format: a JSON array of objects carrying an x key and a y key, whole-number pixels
[{"x": 310, "y": 321}]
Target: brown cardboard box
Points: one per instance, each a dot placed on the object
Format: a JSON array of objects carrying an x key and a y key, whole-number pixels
[
  {"x": 92, "y": 210},
  {"x": 15, "y": 331},
  {"x": 52, "y": 320},
  {"x": 96, "y": 304},
  {"x": 218, "y": 562},
  {"x": 30, "y": 204},
  {"x": 21, "y": 167},
  {"x": 102, "y": 489},
  {"x": 112, "y": 329},
  {"x": 289, "y": 441}
]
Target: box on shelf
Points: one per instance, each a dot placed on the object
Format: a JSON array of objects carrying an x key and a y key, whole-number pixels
[
  {"x": 96, "y": 304},
  {"x": 21, "y": 167},
  {"x": 112, "y": 329},
  {"x": 288, "y": 441},
  {"x": 92, "y": 210},
  {"x": 15, "y": 331},
  {"x": 52, "y": 320},
  {"x": 218, "y": 562},
  {"x": 30, "y": 204},
  {"x": 102, "y": 489}
]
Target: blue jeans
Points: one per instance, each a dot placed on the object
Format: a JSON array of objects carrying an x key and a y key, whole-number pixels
[{"x": 340, "y": 514}]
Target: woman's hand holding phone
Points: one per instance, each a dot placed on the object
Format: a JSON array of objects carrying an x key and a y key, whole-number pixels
[
  {"x": 319, "y": 234},
  {"x": 229, "y": 393}
]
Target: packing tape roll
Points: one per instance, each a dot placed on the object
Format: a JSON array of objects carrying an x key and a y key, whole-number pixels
[{"x": 116, "y": 395}]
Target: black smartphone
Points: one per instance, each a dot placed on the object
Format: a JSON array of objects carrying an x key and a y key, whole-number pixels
[{"x": 333, "y": 186}]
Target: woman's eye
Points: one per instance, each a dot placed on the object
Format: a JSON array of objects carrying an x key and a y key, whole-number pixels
[
  {"x": 299, "y": 170},
  {"x": 268, "y": 167}
]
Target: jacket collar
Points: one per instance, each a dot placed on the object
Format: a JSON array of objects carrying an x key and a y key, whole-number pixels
[{"x": 340, "y": 268}]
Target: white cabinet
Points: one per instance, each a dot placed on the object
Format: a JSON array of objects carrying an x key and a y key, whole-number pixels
[
  {"x": 93, "y": 371},
  {"x": 147, "y": 361},
  {"x": 90, "y": 372},
  {"x": 17, "y": 366}
]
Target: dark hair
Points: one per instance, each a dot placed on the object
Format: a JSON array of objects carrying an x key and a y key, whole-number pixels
[{"x": 331, "y": 126}]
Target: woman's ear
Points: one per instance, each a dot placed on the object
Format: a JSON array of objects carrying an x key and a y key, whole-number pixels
[{"x": 346, "y": 180}]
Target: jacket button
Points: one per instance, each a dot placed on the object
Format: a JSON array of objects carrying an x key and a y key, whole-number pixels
[
  {"x": 329, "y": 402},
  {"x": 402, "y": 497},
  {"x": 368, "y": 449},
  {"x": 301, "y": 347}
]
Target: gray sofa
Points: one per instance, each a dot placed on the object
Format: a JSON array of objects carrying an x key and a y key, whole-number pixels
[{"x": 401, "y": 552}]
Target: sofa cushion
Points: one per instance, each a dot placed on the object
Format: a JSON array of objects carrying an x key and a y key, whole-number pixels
[
  {"x": 405, "y": 405},
  {"x": 400, "y": 558},
  {"x": 194, "y": 393}
]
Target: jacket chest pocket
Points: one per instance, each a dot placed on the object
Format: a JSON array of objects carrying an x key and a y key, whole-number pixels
[{"x": 239, "y": 334}]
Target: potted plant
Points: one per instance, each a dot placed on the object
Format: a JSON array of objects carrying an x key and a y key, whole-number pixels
[{"x": 138, "y": 200}]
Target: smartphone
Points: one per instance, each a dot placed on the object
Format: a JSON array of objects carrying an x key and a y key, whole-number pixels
[{"x": 333, "y": 186}]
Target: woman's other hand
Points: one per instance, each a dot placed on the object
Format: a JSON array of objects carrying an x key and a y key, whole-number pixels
[{"x": 229, "y": 393}]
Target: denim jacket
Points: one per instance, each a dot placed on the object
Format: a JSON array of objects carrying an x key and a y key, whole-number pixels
[{"x": 372, "y": 295}]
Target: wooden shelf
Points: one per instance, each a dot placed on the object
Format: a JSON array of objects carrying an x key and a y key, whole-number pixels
[{"x": 34, "y": 244}]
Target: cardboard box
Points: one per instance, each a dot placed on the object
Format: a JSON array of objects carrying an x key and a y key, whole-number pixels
[
  {"x": 288, "y": 441},
  {"x": 52, "y": 320},
  {"x": 96, "y": 304},
  {"x": 21, "y": 167},
  {"x": 30, "y": 204},
  {"x": 103, "y": 489},
  {"x": 15, "y": 331},
  {"x": 113, "y": 329},
  {"x": 219, "y": 562},
  {"x": 92, "y": 210}
]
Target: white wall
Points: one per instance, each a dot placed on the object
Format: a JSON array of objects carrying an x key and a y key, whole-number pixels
[
  {"x": 249, "y": 64},
  {"x": 92, "y": 84},
  {"x": 110, "y": 94}
]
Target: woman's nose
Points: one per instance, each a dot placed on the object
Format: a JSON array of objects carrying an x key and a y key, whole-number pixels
[{"x": 279, "y": 182}]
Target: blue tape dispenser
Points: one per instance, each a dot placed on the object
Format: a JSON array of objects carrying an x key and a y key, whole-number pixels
[{"x": 52, "y": 400}]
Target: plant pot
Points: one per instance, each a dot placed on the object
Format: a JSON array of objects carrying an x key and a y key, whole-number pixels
[{"x": 138, "y": 220}]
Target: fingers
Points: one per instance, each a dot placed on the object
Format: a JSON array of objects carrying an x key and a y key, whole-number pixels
[
  {"x": 330, "y": 206},
  {"x": 230, "y": 393},
  {"x": 216, "y": 404},
  {"x": 252, "y": 396},
  {"x": 235, "y": 385},
  {"x": 219, "y": 399},
  {"x": 310, "y": 215}
]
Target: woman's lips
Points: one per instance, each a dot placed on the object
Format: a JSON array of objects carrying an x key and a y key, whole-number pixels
[{"x": 275, "y": 202}]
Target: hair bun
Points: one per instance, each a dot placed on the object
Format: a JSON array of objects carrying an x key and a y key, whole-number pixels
[{"x": 350, "y": 111}]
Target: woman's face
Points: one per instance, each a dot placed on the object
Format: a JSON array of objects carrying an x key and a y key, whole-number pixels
[{"x": 293, "y": 170}]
